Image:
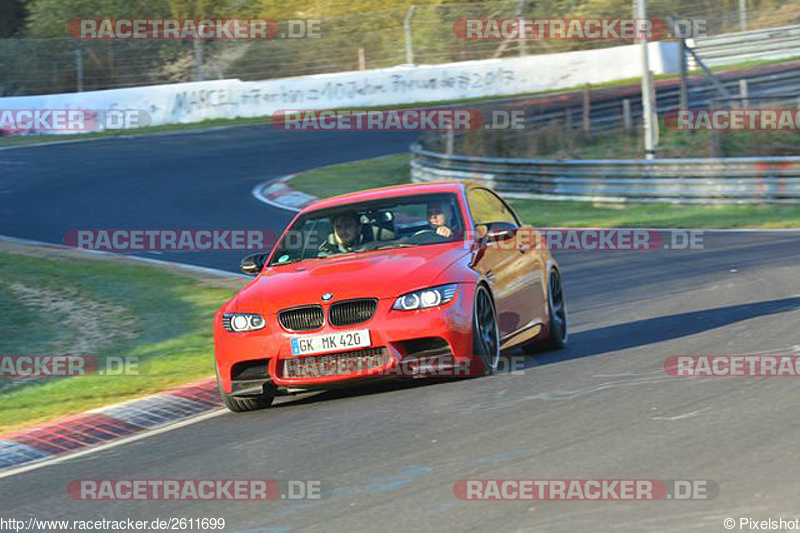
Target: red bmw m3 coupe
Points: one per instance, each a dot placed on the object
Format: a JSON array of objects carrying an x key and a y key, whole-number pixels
[{"x": 413, "y": 280}]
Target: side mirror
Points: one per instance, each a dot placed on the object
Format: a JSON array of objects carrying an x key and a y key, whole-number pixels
[
  {"x": 253, "y": 264},
  {"x": 500, "y": 234},
  {"x": 495, "y": 232}
]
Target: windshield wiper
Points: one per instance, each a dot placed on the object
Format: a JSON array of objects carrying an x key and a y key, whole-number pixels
[
  {"x": 387, "y": 245},
  {"x": 279, "y": 263}
]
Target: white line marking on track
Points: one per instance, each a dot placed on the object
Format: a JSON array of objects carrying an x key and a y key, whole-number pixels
[{"x": 55, "y": 460}]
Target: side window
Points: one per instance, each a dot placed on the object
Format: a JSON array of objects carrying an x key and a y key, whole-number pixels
[{"x": 486, "y": 207}]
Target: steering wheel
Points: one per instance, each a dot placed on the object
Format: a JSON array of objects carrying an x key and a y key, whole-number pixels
[
  {"x": 427, "y": 236},
  {"x": 424, "y": 231}
]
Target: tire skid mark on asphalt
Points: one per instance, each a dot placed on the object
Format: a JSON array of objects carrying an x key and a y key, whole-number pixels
[
  {"x": 559, "y": 395},
  {"x": 585, "y": 516},
  {"x": 626, "y": 375},
  {"x": 409, "y": 473},
  {"x": 681, "y": 417}
]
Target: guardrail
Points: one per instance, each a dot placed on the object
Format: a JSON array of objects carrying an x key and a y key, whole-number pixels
[
  {"x": 774, "y": 180},
  {"x": 731, "y": 48}
]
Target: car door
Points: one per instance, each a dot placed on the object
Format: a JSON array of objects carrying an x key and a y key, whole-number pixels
[{"x": 514, "y": 271}]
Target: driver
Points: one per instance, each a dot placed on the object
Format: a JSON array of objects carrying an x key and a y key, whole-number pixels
[
  {"x": 438, "y": 219},
  {"x": 347, "y": 234}
]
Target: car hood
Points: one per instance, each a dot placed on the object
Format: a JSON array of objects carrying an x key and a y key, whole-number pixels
[{"x": 382, "y": 274}]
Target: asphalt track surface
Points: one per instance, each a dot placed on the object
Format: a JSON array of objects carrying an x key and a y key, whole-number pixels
[{"x": 604, "y": 408}]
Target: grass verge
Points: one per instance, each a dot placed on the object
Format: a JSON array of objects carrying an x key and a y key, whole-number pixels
[
  {"x": 394, "y": 170},
  {"x": 55, "y": 301}
]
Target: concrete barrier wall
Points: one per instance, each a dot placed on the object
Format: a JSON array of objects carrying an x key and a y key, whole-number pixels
[{"x": 198, "y": 101}]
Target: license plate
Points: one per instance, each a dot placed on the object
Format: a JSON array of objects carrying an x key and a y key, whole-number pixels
[
  {"x": 316, "y": 366},
  {"x": 332, "y": 342}
]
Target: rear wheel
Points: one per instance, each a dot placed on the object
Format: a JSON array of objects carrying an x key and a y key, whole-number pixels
[
  {"x": 557, "y": 306},
  {"x": 485, "y": 333},
  {"x": 240, "y": 405}
]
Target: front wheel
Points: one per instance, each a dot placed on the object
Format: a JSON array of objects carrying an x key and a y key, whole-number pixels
[
  {"x": 485, "y": 332},
  {"x": 241, "y": 405}
]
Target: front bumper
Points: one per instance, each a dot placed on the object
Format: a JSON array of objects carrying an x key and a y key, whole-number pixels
[{"x": 435, "y": 341}]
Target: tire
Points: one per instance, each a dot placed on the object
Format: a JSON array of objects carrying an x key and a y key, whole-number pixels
[
  {"x": 485, "y": 332},
  {"x": 241, "y": 405},
  {"x": 557, "y": 309}
]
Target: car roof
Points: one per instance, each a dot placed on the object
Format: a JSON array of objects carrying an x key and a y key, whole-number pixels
[{"x": 393, "y": 191}]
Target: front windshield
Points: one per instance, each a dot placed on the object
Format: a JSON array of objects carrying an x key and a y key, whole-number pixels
[{"x": 382, "y": 224}]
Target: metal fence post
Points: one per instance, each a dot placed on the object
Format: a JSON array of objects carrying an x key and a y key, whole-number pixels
[
  {"x": 198, "y": 60},
  {"x": 647, "y": 94},
  {"x": 450, "y": 139},
  {"x": 587, "y": 110},
  {"x": 79, "y": 67},
  {"x": 626, "y": 114},
  {"x": 407, "y": 35},
  {"x": 743, "y": 15},
  {"x": 714, "y": 142},
  {"x": 743, "y": 103},
  {"x": 523, "y": 44},
  {"x": 684, "y": 99}
]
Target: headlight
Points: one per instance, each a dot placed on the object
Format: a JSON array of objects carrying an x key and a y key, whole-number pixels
[
  {"x": 426, "y": 298},
  {"x": 238, "y": 322}
]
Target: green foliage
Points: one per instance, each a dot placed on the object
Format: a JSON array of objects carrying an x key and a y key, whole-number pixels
[
  {"x": 349, "y": 29},
  {"x": 11, "y": 16},
  {"x": 47, "y": 19}
]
